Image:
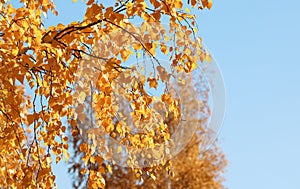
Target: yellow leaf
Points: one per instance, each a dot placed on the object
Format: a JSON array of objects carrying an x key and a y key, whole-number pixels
[
  {"x": 153, "y": 177},
  {"x": 195, "y": 30},
  {"x": 208, "y": 58},
  {"x": 109, "y": 168},
  {"x": 66, "y": 154},
  {"x": 81, "y": 97},
  {"x": 151, "y": 47},
  {"x": 93, "y": 159},
  {"x": 125, "y": 54},
  {"x": 119, "y": 149},
  {"x": 15, "y": 52},
  {"x": 35, "y": 156},
  {"x": 178, "y": 4}
]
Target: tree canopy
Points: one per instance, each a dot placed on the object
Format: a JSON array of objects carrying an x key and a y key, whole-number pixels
[{"x": 71, "y": 92}]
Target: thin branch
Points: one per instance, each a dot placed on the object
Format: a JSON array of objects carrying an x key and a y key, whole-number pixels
[{"x": 141, "y": 43}]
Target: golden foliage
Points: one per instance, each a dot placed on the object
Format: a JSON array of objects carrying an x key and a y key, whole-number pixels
[
  {"x": 37, "y": 73},
  {"x": 194, "y": 167}
]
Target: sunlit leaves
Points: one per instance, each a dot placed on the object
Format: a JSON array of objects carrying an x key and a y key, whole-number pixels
[
  {"x": 192, "y": 168},
  {"x": 94, "y": 10},
  {"x": 38, "y": 67},
  {"x": 27, "y": 117}
]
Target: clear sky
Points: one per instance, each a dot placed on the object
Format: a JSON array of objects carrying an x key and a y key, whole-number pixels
[{"x": 257, "y": 46}]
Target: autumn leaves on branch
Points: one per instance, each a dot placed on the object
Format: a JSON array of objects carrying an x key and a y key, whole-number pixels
[{"x": 45, "y": 93}]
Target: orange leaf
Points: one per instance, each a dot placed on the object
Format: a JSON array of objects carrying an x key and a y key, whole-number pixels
[
  {"x": 156, "y": 15},
  {"x": 152, "y": 82},
  {"x": 83, "y": 147},
  {"x": 209, "y": 5}
]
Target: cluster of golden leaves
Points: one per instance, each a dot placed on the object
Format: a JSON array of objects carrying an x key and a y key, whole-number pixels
[
  {"x": 37, "y": 73},
  {"x": 194, "y": 167}
]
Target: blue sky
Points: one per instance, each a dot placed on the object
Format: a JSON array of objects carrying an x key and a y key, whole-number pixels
[{"x": 257, "y": 46}]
